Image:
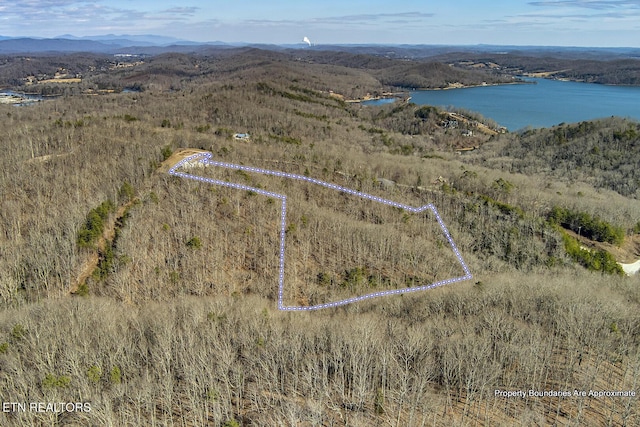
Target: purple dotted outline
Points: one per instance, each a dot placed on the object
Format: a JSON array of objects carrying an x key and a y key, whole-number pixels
[{"x": 205, "y": 159}]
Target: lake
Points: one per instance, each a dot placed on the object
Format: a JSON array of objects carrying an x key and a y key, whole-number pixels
[
  {"x": 379, "y": 101},
  {"x": 543, "y": 104},
  {"x": 18, "y": 99}
]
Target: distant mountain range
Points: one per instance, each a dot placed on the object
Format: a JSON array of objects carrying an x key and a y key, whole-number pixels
[
  {"x": 151, "y": 44},
  {"x": 108, "y": 44},
  {"x": 130, "y": 39}
]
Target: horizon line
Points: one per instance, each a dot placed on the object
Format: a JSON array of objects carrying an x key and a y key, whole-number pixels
[{"x": 180, "y": 41}]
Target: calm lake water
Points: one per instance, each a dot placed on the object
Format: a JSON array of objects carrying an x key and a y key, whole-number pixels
[
  {"x": 18, "y": 99},
  {"x": 380, "y": 101},
  {"x": 543, "y": 104}
]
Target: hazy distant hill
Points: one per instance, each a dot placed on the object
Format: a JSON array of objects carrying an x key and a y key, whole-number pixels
[
  {"x": 147, "y": 44},
  {"x": 130, "y": 39},
  {"x": 110, "y": 42},
  {"x": 28, "y": 45}
]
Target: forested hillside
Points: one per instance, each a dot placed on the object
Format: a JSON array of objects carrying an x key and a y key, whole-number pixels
[
  {"x": 604, "y": 153},
  {"x": 154, "y": 298},
  {"x": 351, "y": 75},
  {"x": 589, "y": 67},
  {"x": 406, "y": 74}
]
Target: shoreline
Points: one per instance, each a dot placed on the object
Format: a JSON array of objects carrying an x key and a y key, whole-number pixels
[
  {"x": 389, "y": 95},
  {"x": 552, "y": 76},
  {"x": 405, "y": 95},
  {"x": 472, "y": 86},
  {"x": 9, "y": 97}
]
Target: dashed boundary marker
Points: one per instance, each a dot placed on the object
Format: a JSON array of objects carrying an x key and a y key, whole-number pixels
[{"x": 204, "y": 159}]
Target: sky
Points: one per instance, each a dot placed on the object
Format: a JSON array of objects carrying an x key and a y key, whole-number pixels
[{"x": 594, "y": 23}]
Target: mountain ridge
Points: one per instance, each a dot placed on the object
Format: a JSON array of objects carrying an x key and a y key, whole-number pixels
[{"x": 114, "y": 43}]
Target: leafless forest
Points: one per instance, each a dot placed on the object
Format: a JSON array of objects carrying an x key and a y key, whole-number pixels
[{"x": 154, "y": 297}]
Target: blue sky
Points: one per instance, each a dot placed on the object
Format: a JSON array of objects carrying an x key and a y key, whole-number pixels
[{"x": 517, "y": 22}]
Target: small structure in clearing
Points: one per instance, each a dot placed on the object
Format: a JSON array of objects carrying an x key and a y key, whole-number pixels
[{"x": 241, "y": 136}]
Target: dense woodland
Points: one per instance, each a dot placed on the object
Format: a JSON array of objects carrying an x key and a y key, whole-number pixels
[
  {"x": 603, "y": 153},
  {"x": 154, "y": 298},
  {"x": 360, "y": 74},
  {"x": 590, "y": 67}
]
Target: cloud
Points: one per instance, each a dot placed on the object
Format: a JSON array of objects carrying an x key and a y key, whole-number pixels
[
  {"x": 378, "y": 17},
  {"x": 596, "y": 11},
  {"x": 42, "y": 4},
  {"x": 33, "y": 13},
  {"x": 614, "y": 15},
  {"x": 52, "y": 17},
  {"x": 70, "y": 11},
  {"x": 185, "y": 11},
  {"x": 48, "y": 7},
  {"x": 589, "y": 4},
  {"x": 359, "y": 20},
  {"x": 374, "y": 18}
]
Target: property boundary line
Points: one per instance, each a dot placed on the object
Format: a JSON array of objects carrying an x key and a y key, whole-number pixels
[{"x": 205, "y": 159}]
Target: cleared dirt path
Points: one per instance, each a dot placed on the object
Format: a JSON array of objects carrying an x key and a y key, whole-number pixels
[{"x": 93, "y": 257}]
